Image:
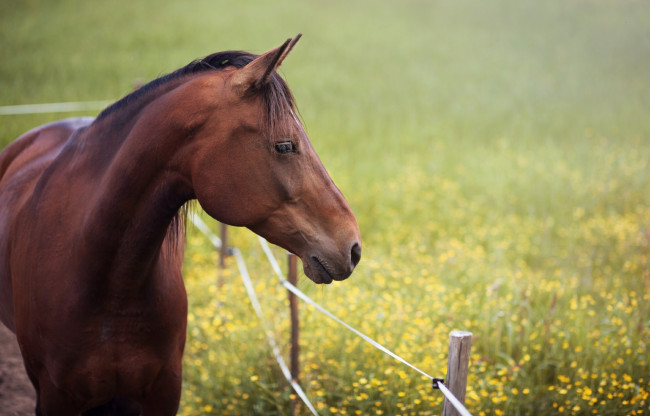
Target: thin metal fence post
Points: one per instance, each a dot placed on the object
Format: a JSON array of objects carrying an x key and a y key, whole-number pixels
[
  {"x": 460, "y": 344},
  {"x": 223, "y": 253},
  {"x": 292, "y": 277}
]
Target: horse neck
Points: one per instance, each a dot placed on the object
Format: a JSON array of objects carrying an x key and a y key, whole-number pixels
[{"x": 139, "y": 192}]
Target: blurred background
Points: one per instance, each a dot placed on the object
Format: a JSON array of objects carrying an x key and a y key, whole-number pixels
[{"x": 496, "y": 155}]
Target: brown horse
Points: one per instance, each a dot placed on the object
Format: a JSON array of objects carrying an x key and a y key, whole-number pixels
[{"x": 91, "y": 244}]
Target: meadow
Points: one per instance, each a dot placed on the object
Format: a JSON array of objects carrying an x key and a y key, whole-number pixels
[{"x": 496, "y": 154}]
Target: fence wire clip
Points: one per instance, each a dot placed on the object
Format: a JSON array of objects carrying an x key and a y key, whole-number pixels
[{"x": 436, "y": 381}]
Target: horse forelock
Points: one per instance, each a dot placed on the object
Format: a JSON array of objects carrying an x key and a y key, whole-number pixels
[{"x": 278, "y": 112}]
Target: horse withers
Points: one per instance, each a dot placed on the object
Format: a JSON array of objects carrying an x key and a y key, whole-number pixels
[{"x": 91, "y": 234}]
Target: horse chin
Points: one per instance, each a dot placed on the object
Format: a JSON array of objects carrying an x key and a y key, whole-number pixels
[{"x": 319, "y": 271}]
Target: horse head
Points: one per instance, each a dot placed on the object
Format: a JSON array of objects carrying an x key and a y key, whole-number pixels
[{"x": 255, "y": 167}]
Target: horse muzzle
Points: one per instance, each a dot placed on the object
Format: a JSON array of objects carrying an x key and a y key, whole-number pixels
[{"x": 325, "y": 269}]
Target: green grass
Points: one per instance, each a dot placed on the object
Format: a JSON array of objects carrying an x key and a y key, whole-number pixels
[{"x": 497, "y": 155}]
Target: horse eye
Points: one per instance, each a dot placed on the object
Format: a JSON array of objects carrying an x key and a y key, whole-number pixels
[{"x": 285, "y": 147}]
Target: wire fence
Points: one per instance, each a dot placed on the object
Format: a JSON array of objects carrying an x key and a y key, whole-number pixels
[
  {"x": 243, "y": 271},
  {"x": 218, "y": 244},
  {"x": 53, "y": 107}
]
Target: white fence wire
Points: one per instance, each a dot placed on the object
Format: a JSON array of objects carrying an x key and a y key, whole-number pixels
[
  {"x": 243, "y": 272},
  {"x": 53, "y": 107}
]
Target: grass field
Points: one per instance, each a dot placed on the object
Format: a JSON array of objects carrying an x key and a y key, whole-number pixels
[{"x": 497, "y": 155}]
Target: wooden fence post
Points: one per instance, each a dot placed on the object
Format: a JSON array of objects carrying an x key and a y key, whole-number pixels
[
  {"x": 460, "y": 344},
  {"x": 292, "y": 277}
]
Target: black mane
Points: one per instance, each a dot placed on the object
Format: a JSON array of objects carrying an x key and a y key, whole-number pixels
[{"x": 277, "y": 96}]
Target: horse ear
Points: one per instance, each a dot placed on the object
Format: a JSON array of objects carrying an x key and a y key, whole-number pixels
[{"x": 258, "y": 72}]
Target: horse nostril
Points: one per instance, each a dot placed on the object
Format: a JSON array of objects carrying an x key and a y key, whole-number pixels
[{"x": 355, "y": 254}]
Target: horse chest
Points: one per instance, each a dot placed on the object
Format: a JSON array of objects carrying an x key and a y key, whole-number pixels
[
  {"x": 103, "y": 373},
  {"x": 121, "y": 355}
]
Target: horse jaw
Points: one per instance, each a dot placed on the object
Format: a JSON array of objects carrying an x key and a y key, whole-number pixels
[{"x": 326, "y": 256}]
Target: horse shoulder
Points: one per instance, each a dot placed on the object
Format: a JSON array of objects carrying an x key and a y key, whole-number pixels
[{"x": 21, "y": 165}]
